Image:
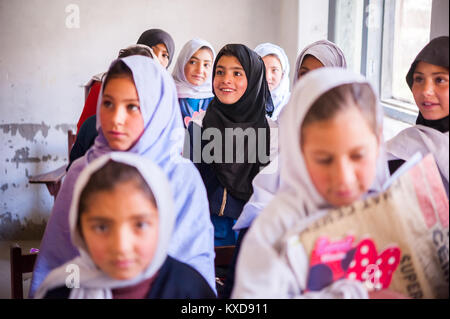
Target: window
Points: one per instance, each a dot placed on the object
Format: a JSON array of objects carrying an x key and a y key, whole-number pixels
[
  {"x": 380, "y": 39},
  {"x": 411, "y": 32}
]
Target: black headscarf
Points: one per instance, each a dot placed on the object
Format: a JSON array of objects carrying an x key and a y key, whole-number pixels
[
  {"x": 153, "y": 37},
  {"x": 248, "y": 112},
  {"x": 436, "y": 53}
]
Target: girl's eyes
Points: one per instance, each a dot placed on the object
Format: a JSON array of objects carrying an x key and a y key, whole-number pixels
[
  {"x": 133, "y": 107},
  {"x": 107, "y": 103},
  {"x": 324, "y": 161},
  {"x": 440, "y": 80},
  {"x": 192, "y": 62},
  {"x": 237, "y": 73},
  {"x": 141, "y": 225},
  {"x": 418, "y": 79},
  {"x": 100, "y": 228},
  {"x": 357, "y": 157},
  {"x": 218, "y": 72}
]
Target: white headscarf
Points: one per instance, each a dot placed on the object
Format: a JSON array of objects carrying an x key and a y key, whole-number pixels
[
  {"x": 263, "y": 270},
  {"x": 325, "y": 51},
  {"x": 94, "y": 283},
  {"x": 184, "y": 88},
  {"x": 280, "y": 95}
]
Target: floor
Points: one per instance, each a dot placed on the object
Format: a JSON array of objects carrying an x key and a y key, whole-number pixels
[{"x": 5, "y": 277}]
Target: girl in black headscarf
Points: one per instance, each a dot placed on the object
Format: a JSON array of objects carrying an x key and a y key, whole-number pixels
[
  {"x": 162, "y": 44},
  {"x": 428, "y": 79},
  {"x": 229, "y": 163}
]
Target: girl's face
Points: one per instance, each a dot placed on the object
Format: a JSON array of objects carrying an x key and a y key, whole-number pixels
[
  {"x": 162, "y": 54},
  {"x": 230, "y": 81},
  {"x": 199, "y": 67},
  {"x": 430, "y": 90},
  {"x": 274, "y": 71},
  {"x": 121, "y": 232},
  {"x": 340, "y": 156},
  {"x": 120, "y": 114},
  {"x": 308, "y": 64}
]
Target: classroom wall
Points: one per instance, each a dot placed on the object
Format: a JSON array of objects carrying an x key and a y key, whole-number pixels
[{"x": 51, "y": 48}]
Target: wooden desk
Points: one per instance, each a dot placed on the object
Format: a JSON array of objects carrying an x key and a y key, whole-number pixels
[{"x": 51, "y": 179}]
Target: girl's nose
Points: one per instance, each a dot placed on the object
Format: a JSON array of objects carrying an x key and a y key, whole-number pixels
[
  {"x": 121, "y": 240},
  {"x": 119, "y": 115},
  {"x": 345, "y": 174},
  {"x": 428, "y": 87}
]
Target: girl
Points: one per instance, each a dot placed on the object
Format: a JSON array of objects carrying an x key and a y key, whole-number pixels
[
  {"x": 317, "y": 55},
  {"x": 241, "y": 94},
  {"x": 163, "y": 47},
  {"x": 192, "y": 75},
  {"x": 139, "y": 113},
  {"x": 87, "y": 132},
  {"x": 428, "y": 80},
  {"x": 277, "y": 74},
  {"x": 123, "y": 240},
  {"x": 322, "y": 168},
  {"x": 162, "y": 44}
]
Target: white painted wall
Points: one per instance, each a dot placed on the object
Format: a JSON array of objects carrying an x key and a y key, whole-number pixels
[{"x": 43, "y": 65}]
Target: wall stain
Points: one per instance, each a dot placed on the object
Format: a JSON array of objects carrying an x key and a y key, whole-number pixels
[
  {"x": 65, "y": 127},
  {"x": 11, "y": 228},
  {"x": 26, "y": 130},
  {"x": 23, "y": 156},
  {"x": 4, "y": 187}
]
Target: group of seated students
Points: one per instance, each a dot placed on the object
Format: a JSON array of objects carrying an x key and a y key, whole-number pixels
[{"x": 157, "y": 177}]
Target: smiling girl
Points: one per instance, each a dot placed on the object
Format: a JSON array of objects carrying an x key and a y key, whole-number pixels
[{"x": 192, "y": 75}]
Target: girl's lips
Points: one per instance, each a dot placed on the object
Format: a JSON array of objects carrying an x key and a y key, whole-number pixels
[
  {"x": 122, "y": 264},
  {"x": 344, "y": 194},
  {"x": 429, "y": 105},
  {"x": 226, "y": 90},
  {"x": 115, "y": 133}
]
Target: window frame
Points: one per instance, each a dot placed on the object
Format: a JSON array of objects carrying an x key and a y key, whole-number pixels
[{"x": 376, "y": 59}]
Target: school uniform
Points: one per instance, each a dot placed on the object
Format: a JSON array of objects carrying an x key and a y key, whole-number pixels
[
  {"x": 192, "y": 98},
  {"x": 192, "y": 239},
  {"x": 225, "y": 208},
  {"x": 268, "y": 266},
  {"x": 427, "y": 136}
]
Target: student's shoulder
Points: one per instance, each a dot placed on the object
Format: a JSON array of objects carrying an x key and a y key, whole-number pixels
[
  {"x": 58, "y": 293},
  {"x": 179, "y": 280},
  {"x": 180, "y": 269}
]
